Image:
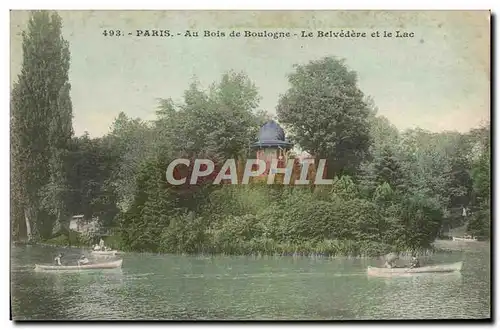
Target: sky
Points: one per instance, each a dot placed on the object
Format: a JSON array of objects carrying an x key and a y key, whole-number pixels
[{"x": 438, "y": 80}]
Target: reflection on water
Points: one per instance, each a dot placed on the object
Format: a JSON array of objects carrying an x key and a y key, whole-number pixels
[
  {"x": 408, "y": 297},
  {"x": 180, "y": 287}
]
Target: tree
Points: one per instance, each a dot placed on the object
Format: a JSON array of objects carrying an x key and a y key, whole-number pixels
[
  {"x": 385, "y": 167},
  {"x": 437, "y": 166},
  {"x": 382, "y": 132},
  {"x": 481, "y": 177},
  {"x": 422, "y": 218},
  {"x": 41, "y": 124},
  {"x": 132, "y": 141},
  {"x": 383, "y": 163},
  {"x": 221, "y": 122},
  {"x": 54, "y": 194},
  {"x": 326, "y": 113},
  {"x": 481, "y": 166},
  {"x": 89, "y": 167},
  {"x": 217, "y": 124},
  {"x": 150, "y": 211}
]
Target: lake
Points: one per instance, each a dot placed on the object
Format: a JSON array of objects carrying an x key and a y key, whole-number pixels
[{"x": 174, "y": 287}]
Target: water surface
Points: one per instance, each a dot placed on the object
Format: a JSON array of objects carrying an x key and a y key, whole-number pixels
[{"x": 169, "y": 287}]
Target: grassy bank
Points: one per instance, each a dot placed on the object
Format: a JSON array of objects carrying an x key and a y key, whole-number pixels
[
  {"x": 71, "y": 239},
  {"x": 255, "y": 248},
  {"x": 75, "y": 239},
  {"x": 326, "y": 248},
  {"x": 270, "y": 247},
  {"x": 252, "y": 247}
]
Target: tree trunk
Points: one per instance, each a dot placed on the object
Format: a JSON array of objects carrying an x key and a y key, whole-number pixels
[
  {"x": 27, "y": 219},
  {"x": 57, "y": 226}
]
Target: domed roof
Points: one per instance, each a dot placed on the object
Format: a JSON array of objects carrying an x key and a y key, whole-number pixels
[{"x": 271, "y": 135}]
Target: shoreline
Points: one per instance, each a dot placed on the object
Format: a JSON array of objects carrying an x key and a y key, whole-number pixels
[{"x": 403, "y": 255}]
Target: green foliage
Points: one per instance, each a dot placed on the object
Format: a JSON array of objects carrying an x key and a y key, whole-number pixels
[
  {"x": 254, "y": 220},
  {"x": 220, "y": 122},
  {"x": 326, "y": 114},
  {"x": 383, "y": 208},
  {"x": 130, "y": 143},
  {"x": 149, "y": 212},
  {"x": 344, "y": 188},
  {"x": 422, "y": 219},
  {"x": 71, "y": 238},
  {"x": 479, "y": 226},
  {"x": 385, "y": 167},
  {"x": 86, "y": 238},
  {"x": 113, "y": 241},
  {"x": 481, "y": 177},
  {"x": 89, "y": 166},
  {"x": 480, "y": 223},
  {"x": 185, "y": 233},
  {"x": 384, "y": 194},
  {"x": 391, "y": 190},
  {"x": 61, "y": 240}
]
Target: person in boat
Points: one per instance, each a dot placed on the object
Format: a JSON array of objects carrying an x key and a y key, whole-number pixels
[
  {"x": 415, "y": 263},
  {"x": 83, "y": 260},
  {"x": 390, "y": 260},
  {"x": 57, "y": 259},
  {"x": 101, "y": 244},
  {"x": 97, "y": 247}
]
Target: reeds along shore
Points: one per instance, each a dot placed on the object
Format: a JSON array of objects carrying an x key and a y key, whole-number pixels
[{"x": 324, "y": 249}]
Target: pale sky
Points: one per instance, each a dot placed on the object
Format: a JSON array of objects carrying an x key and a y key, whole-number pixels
[{"x": 438, "y": 80}]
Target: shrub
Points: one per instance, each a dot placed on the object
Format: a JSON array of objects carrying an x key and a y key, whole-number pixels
[
  {"x": 185, "y": 233},
  {"x": 60, "y": 240}
]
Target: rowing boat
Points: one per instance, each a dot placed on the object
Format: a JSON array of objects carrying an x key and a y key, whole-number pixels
[
  {"x": 104, "y": 253},
  {"x": 448, "y": 268},
  {"x": 464, "y": 239},
  {"x": 105, "y": 265}
]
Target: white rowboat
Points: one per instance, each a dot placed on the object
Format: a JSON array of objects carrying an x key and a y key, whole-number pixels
[
  {"x": 104, "y": 253},
  {"x": 463, "y": 239},
  {"x": 448, "y": 268},
  {"x": 104, "y": 265}
]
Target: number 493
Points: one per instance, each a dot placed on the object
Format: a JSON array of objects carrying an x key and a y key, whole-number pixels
[{"x": 111, "y": 33}]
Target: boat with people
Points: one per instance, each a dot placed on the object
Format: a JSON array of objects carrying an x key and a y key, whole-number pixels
[
  {"x": 102, "y": 250},
  {"x": 402, "y": 271},
  {"x": 104, "y": 253},
  {"x": 466, "y": 238},
  {"x": 103, "y": 265}
]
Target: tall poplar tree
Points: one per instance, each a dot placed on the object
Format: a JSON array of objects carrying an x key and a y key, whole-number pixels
[{"x": 41, "y": 115}]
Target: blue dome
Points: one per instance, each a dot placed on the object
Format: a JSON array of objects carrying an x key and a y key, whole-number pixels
[{"x": 271, "y": 135}]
